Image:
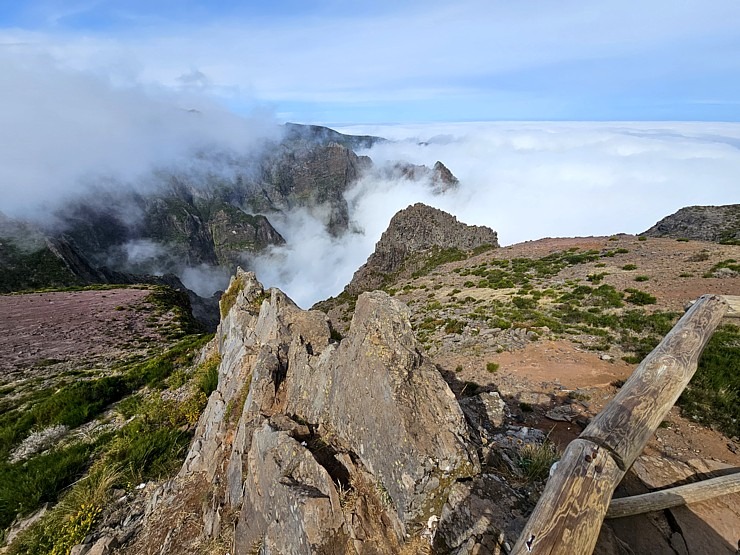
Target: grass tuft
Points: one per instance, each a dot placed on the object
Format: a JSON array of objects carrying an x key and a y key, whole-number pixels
[{"x": 535, "y": 460}]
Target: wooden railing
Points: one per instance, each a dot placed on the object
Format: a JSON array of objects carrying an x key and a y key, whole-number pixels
[{"x": 570, "y": 512}]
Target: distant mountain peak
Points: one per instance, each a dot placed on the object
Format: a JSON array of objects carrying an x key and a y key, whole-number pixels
[
  {"x": 413, "y": 231},
  {"x": 717, "y": 224}
]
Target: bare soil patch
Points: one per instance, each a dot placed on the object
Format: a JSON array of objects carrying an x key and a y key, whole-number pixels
[{"x": 86, "y": 328}]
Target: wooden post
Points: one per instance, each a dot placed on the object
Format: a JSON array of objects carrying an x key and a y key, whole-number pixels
[
  {"x": 569, "y": 514},
  {"x": 673, "y": 497},
  {"x": 734, "y": 302}
]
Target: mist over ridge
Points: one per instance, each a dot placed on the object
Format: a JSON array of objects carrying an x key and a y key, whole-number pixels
[
  {"x": 526, "y": 180},
  {"x": 77, "y": 137}
]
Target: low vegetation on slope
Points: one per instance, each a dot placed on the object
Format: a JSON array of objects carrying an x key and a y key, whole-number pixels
[
  {"x": 79, "y": 434},
  {"x": 713, "y": 396},
  {"x": 617, "y": 297}
]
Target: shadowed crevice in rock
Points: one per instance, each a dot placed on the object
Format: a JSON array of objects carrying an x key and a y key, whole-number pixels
[{"x": 335, "y": 442}]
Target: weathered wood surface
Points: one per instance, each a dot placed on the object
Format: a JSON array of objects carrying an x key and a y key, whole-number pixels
[
  {"x": 575, "y": 500},
  {"x": 629, "y": 420},
  {"x": 674, "y": 497},
  {"x": 568, "y": 516},
  {"x": 734, "y": 303}
]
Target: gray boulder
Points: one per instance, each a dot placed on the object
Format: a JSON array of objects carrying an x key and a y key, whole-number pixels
[{"x": 327, "y": 447}]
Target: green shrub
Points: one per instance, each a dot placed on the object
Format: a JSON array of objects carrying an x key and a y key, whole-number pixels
[
  {"x": 454, "y": 326},
  {"x": 713, "y": 395},
  {"x": 629, "y": 267},
  {"x": 730, "y": 264},
  {"x": 606, "y": 296},
  {"x": 639, "y": 297},
  {"x": 70, "y": 521},
  {"x": 492, "y": 367},
  {"x": 130, "y": 406},
  {"x": 26, "y": 485},
  {"x": 523, "y": 302},
  {"x": 207, "y": 375},
  {"x": 642, "y": 278},
  {"x": 596, "y": 278}
]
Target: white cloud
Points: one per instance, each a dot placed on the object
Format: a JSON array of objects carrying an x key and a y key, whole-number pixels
[
  {"x": 526, "y": 181},
  {"x": 61, "y": 131}
]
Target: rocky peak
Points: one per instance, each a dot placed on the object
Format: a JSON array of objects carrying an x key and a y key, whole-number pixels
[
  {"x": 442, "y": 177},
  {"x": 718, "y": 224},
  {"x": 311, "y": 176},
  {"x": 415, "y": 231},
  {"x": 324, "y": 446},
  {"x": 439, "y": 176}
]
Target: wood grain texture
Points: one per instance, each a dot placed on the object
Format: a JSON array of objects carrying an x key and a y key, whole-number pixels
[
  {"x": 734, "y": 305},
  {"x": 568, "y": 516},
  {"x": 673, "y": 497},
  {"x": 626, "y": 424}
]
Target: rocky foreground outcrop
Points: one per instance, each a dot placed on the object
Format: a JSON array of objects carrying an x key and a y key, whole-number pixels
[
  {"x": 718, "y": 224},
  {"x": 413, "y": 236},
  {"x": 326, "y": 446}
]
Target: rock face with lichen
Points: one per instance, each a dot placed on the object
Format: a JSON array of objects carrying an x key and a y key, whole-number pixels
[
  {"x": 413, "y": 235},
  {"x": 718, "y": 224},
  {"x": 324, "y": 445}
]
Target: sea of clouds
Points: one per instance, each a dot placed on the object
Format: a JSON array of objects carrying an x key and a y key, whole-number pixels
[
  {"x": 65, "y": 134},
  {"x": 526, "y": 180}
]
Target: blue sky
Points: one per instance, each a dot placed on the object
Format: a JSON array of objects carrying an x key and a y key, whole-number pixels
[{"x": 341, "y": 62}]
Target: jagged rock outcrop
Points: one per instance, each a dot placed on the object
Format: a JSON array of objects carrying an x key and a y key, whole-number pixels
[
  {"x": 412, "y": 232},
  {"x": 439, "y": 176},
  {"x": 324, "y": 446},
  {"x": 719, "y": 224},
  {"x": 309, "y": 176}
]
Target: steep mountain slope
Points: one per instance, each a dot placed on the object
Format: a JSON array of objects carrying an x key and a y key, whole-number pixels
[
  {"x": 74, "y": 367},
  {"x": 214, "y": 212},
  {"x": 207, "y": 216},
  {"x": 720, "y": 224}
]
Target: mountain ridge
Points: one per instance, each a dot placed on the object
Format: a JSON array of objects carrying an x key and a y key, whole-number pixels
[{"x": 720, "y": 224}]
